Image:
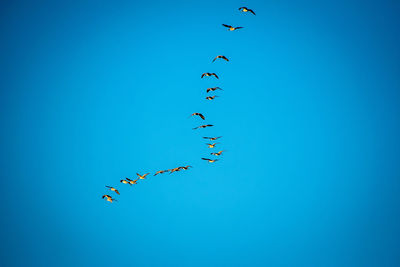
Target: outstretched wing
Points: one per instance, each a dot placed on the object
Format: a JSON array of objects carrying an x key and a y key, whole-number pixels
[
  {"x": 251, "y": 11},
  {"x": 201, "y": 116},
  {"x": 215, "y": 75},
  {"x": 224, "y": 57},
  {"x": 237, "y": 28},
  {"x": 205, "y": 159},
  {"x": 228, "y": 26}
]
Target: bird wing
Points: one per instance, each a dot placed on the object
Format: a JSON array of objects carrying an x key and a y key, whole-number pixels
[
  {"x": 236, "y": 28},
  {"x": 116, "y": 191},
  {"x": 215, "y": 58},
  {"x": 240, "y": 8},
  {"x": 215, "y": 75},
  {"x": 228, "y": 26},
  {"x": 203, "y": 75},
  {"x": 201, "y": 116},
  {"x": 251, "y": 11},
  {"x": 108, "y": 186},
  {"x": 224, "y": 57},
  {"x": 205, "y": 159}
]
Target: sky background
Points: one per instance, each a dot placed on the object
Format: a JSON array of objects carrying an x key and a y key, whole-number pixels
[{"x": 92, "y": 92}]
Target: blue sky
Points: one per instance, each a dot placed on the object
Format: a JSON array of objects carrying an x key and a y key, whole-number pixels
[{"x": 95, "y": 91}]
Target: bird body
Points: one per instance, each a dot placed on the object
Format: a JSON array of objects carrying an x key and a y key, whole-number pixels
[
  {"x": 217, "y": 153},
  {"x": 211, "y": 89},
  {"x": 203, "y": 126},
  {"x": 212, "y": 138},
  {"x": 124, "y": 182},
  {"x": 207, "y": 74},
  {"x": 211, "y": 97},
  {"x": 131, "y": 182},
  {"x": 198, "y": 114},
  {"x": 160, "y": 172},
  {"x": 220, "y": 56},
  {"x": 108, "y": 198},
  {"x": 142, "y": 176},
  {"x": 113, "y": 189},
  {"x": 245, "y": 9},
  {"x": 210, "y": 160},
  {"x": 231, "y": 28},
  {"x": 212, "y": 145},
  {"x": 185, "y": 167}
]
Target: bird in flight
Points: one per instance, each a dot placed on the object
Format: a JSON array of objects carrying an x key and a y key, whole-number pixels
[
  {"x": 177, "y": 169},
  {"x": 142, "y": 176},
  {"x": 231, "y": 28},
  {"x": 217, "y": 153},
  {"x": 245, "y": 9},
  {"x": 113, "y": 189},
  {"x": 209, "y": 74},
  {"x": 186, "y": 167},
  {"x": 108, "y": 198},
  {"x": 213, "y": 89},
  {"x": 125, "y": 182},
  {"x": 160, "y": 172},
  {"x": 220, "y": 56},
  {"x": 210, "y": 160},
  {"x": 212, "y": 138},
  {"x": 211, "y": 97},
  {"x": 198, "y": 114},
  {"x": 131, "y": 182},
  {"x": 203, "y": 126},
  {"x": 212, "y": 145}
]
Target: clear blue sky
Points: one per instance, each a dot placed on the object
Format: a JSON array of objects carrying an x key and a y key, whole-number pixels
[{"x": 95, "y": 91}]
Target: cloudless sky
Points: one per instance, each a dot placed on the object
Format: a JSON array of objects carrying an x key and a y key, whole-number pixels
[{"x": 92, "y": 92}]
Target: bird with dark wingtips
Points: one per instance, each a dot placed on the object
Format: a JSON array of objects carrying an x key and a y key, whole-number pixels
[
  {"x": 220, "y": 56},
  {"x": 113, "y": 189},
  {"x": 211, "y": 89},
  {"x": 212, "y": 138},
  {"x": 211, "y": 97},
  {"x": 212, "y": 145},
  {"x": 142, "y": 176},
  {"x": 210, "y": 160},
  {"x": 245, "y": 9},
  {"x": 203, "y": 126},
  {"x": 186, "y": 167},
  {"x": 207, "y": 74},
  {"x": 131, "y": 182},
  {"x": 198, "y": 114},
  {"x": 108, "y": 198},
  {"x": 231, "y": 28},
  {"x": 160, "y": 172},
  {"x": 125, "y": 181},
  {"x": 177, "y": 169},
  {"x": 217, "y": 153}
]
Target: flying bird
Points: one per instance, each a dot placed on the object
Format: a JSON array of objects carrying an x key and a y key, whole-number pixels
[
  {"x": 245, "y": 9},
  {"x": 210, "y": 160},
  {"x": 186, "y": 167},
  {"x": 211, "y": 97},
  {"x": 113, "y": 189},
  {"x": 198, "y": 114},
  {"x": 160, "y": 172},
  {"x": 220, "y": 56},
  {"x": 212, "y": 145},
  {"x": 177, "y": 169},
  {"x": 203, "y": 126},
  {"x": 131, "y": 182},
  {"x": 231, "y": 28},
  {"x": 142, "y": 176},
  {"x": 125, "y": 182},
  {"x": 212, "y": 138},
  {"x": 217, "y": 153},
  {"x": 209, "y": 74},
  {"x": 213, "y": 89},
  {"x": 108, "y": 198}
]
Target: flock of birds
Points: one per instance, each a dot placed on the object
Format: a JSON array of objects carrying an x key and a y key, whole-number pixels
[{"x": 138, "y": 177}]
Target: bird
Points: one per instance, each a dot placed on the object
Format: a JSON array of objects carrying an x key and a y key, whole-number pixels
[
  {"x": 203, "y": 126},
  {"x": 198, "y": 114},
  {"x": 213, "y": 89},
  {"x": 211, "y": 97},
  {"x": 186, "y": 167},
  {"x": 212, "y": 138},
  {"x": 108, "y": 198},
  {"x": 220, "y": 56},
  {"x": 210, "y": 160},
  {"x": 125, "y": 182},
  {"x": 131, "y": 182},
  {"x": 209, "y": 74},
  {"x": 160, "y": 172},
  {"x": 113, "y": 189},
  {"x": 177, "y": 169},
  {"x": 142, "y": 176},
  {"x": 212, "y": 145},
  {"x": 231, "y": 28},
  {"x": 217, "y": 153},
  {"x": 245, "y": 9}
]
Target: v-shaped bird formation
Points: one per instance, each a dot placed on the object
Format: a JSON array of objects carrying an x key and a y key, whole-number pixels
[{"x": 141, "y": 177}]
